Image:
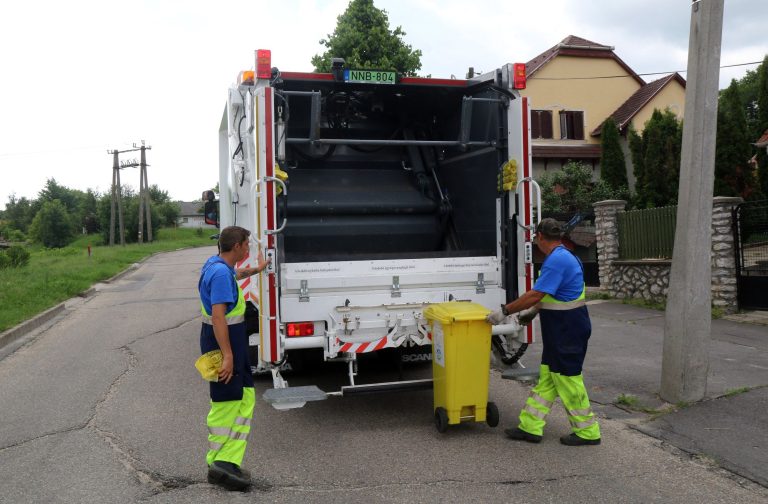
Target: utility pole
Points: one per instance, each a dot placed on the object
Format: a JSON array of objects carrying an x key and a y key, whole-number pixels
[
  {"x": 116, "y": 196},
  {"x": 144, "y": 198},
  {"x": 688, "y": 318}
]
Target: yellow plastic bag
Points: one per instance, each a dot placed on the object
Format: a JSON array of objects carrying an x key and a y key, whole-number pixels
[
  {"x": 279, "y": 173},
  {"x": 209, "y": 365},
  {"x": 508, "y": 177}
]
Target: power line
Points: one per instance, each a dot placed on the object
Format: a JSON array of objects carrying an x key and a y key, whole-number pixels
[
  {"x": 640, "y": 74},
  {"x": 49, "y": 151}
]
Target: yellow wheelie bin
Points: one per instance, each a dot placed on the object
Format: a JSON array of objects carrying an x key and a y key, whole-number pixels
[{"x": 461, "y": 353}]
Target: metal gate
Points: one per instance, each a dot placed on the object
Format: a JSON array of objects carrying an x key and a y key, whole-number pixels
[{"x": 751, "y": 240}]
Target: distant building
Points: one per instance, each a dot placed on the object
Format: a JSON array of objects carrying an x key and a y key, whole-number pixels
[
  {"x": 191, "y": 215},
  {"x": 574, "y": 87},
  {"x": 762, "y": 142}
]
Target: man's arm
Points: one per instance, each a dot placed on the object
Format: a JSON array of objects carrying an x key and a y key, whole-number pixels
[
  {"x": 527, "y": 300},
  {"x": 221, "y": 332},
  {"x": 530, "y": 298},
  {"x": 241, "y": 273}
]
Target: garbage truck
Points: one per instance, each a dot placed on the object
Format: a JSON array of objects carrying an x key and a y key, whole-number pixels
[{"x": 374, "y": 194}]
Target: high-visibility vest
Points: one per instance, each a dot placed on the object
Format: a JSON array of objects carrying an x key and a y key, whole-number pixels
[
  {"x": 235, "y": 316},
  {"x": 550, "y": 303}
]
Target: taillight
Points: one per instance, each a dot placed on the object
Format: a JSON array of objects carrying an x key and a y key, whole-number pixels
[
  {"x": 263, "y": 64},
  {"x": 519, "y": 76},
  {"x": 300, "y": 329}
]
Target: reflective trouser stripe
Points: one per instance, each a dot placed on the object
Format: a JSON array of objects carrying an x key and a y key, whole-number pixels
[
  {"x": 576, "y": 401},
  {"x": 537, "y": 406},
  {"x": 229, "y": 423}
]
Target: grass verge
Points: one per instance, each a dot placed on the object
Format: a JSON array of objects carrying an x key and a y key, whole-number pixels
[{"x": 54, "y": 275}]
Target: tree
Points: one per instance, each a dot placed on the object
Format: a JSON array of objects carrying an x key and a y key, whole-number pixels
[
  {"x": 572, "y": 190},
  {"x": 52, "y": 225},
  {"x": 363, "y": 38},
  {"x": 613, "y": 167},
  {"x": 762, "y": 124},
  {"x": 734, "y": 176},
  {"x": 18, "y": 213},
  {"x": 656, "y": 158},
  {"x": 89, "y": 211}
]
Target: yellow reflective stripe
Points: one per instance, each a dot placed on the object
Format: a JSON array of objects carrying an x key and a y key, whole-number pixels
[
  {"x": 560, "y": 306},
  {"x": 225, "y": 432},
  {"x": 536, "y": 397},
  {"x": 242, "y": 421},
  {"x": 580, "y": 412},
  {"x": 219, "y": 431},
  {"x": 582, "y": 425},
  {"x": 550, "y": 303},
  {"x": 533, "y": 411},
  {"x": 230, "y": 320}
]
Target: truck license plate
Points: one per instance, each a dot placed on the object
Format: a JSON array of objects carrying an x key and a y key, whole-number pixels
[{"x": 369, "y": 76}]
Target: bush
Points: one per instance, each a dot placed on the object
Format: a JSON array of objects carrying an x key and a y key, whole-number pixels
[
  {"x": 52, "y": 225},
  {"x": 5, "y": 261},
  {"x": 18, "y": 255},
  {"x": 14, "y": 235}
]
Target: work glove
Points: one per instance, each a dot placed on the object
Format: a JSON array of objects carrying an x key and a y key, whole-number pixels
[
  {"x": 497, "y": 317},
  {"x": 525, "y": 317}
]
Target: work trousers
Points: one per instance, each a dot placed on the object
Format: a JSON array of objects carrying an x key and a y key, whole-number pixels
[
  {"x": 229, "y": 423},
  {"x": 572, "y": 393}
]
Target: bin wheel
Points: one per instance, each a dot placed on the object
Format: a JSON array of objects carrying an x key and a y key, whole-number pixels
[
  {"x": 441, "y": 419},
  {"x": 492, "y": 414}
]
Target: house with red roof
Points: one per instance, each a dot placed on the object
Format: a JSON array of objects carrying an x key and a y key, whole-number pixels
[{"x": 574, "y": 87}]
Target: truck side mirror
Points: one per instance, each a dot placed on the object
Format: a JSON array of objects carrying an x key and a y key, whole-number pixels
[{"x": 211, "y": 213}]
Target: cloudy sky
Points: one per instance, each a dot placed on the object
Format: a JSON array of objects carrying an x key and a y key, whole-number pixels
[{"x": 84, "y": 76}]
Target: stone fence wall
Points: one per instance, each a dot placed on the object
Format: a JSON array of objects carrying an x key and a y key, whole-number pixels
[{"x": 649, "y": 279}]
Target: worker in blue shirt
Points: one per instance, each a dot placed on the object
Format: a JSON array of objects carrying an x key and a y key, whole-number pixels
[
  {"x": 559, "y": 298},
  {"x": 223, "y": 328}
]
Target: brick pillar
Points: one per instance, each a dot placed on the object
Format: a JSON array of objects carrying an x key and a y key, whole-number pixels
[
  {"x": 607, "y": 237},
  {"x": 724, "y": 294}
]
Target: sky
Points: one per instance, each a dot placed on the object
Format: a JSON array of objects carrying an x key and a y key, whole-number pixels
[{"x": 83, "y": 77}]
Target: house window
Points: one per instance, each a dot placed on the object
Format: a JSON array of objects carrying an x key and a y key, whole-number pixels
[
  {"x": 541, "y": 124},
  {"x": 185, "y": 219},
  {"x": 571, "y": 125}
]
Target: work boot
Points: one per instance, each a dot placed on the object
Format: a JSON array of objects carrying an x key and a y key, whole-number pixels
[
  {"x": 520, "y": 435},
  {"x": 574, "y": 440},
  {"x": 228, "y": 475}
]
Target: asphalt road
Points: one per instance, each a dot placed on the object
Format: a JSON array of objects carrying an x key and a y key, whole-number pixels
[{"x": 104, "y": 405}]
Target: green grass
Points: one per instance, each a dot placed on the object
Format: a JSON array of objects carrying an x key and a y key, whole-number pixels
[
  {"x": 633, "y": 403},
  {"x": 54, "y": 275},
  {"x": 736, "y": 391}
]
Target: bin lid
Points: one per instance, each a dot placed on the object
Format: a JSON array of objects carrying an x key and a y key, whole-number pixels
[{"x": 456, "y": 311}]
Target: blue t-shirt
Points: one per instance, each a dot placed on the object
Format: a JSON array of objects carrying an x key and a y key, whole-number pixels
[
  {"x": 561, "y": 275},
  {"x": 217, "y": 284}
]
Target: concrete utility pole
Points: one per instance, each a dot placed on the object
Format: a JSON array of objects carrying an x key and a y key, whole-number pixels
[
  {"x": 144, "y": 199},
  {"x": 116, "y": 195},
  {"x": 688, "y": 319}
]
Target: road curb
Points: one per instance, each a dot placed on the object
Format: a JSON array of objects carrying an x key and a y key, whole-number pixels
[
  {"x": 9, "y": 336},
  {"x": 14, "y": 333}
]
